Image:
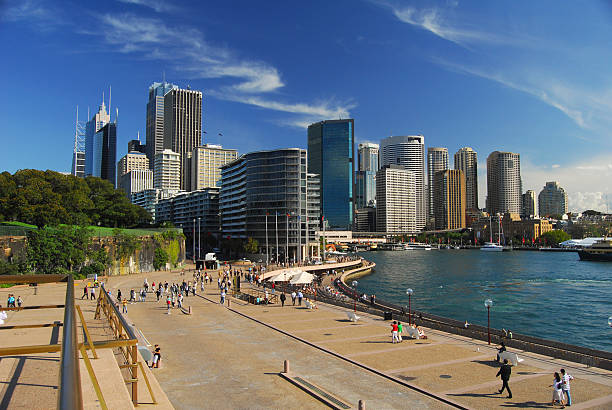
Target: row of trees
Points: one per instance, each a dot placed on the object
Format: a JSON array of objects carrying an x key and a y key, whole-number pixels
[{"x": 48, "y": 198}]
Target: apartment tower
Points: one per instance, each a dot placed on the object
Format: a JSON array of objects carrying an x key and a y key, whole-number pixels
[
  {"x": 504, "y": 187},
  {"x": 395, "y": 200},
  {"x": 528, "y": 205},
  {"x": 449, "y": 199},
  {"x": 552, "y": 199},
  {"x": 437, "y": 160},
  {"x": 206, "y": 165},
  {"x": 167, "y": 170},
  {"x": 408, "y": 151},
  {"x": 466, "y": 160}
]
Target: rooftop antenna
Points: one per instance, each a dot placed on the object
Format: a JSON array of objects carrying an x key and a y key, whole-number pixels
[
  {"x": 138, "y": 135},
  {"x": 116, "y": 115},
  {"x": 102, "y": 97},
  {"x": 164, "y": 76}
]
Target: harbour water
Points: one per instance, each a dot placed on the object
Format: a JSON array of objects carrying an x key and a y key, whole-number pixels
[{"x": 552, "y": 295}]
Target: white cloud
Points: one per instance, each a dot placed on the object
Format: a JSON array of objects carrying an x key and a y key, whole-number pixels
[
  {"x": 197, "y": 58},
  {"x": 33, "y": 12},
  {"x": 555, "y": 166},
  {"x": 157, "y": 5}
]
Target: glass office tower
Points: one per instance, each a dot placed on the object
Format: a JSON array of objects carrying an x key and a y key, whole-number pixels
[{"x": 331, "y": 154}]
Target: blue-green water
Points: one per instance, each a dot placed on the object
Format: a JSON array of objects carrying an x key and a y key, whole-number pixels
[{"x": 552, "y": 295}]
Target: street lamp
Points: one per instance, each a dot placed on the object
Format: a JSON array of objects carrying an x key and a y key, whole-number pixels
[
  {"x": 488, "y": 303},
  {"x": 355, "y": 283},
  {"x": 409, "y": 293}
]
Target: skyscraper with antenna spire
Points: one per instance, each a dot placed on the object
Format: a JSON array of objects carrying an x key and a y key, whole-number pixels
[{"x": 99, "y": 120}]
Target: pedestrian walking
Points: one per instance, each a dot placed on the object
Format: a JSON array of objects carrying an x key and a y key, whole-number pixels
[
  {"x": 282, "y": 299},
  {"x": 222, "y": 297},
  {"x": 400, "y": 329},
  {"x": 85, "y": 292},
  {"x": 19, "y": 301},
  {"x": 92, "y": 293},
  {"x": 119, "y": 294},
  {"x": 394, "y": 330},
  {"x": 557, "y": 396},
  {"x": 156, "y": 357},
  {"x": 505, "y": 371},
  {"x": 293, "y": 296},
  {"x": 566, "y": 378},
  {"x": 168, "y": 303},
  {"x": 124, "y": 304},
  {"x": 300, "y": 296}
]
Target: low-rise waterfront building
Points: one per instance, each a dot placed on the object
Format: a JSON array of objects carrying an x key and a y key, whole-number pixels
[{"x": 513, "y": 229}]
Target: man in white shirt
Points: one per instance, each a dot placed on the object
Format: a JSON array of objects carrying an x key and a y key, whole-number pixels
[
  {"x": 565, "y": 378},
  {"x": 3, "y": 316}
]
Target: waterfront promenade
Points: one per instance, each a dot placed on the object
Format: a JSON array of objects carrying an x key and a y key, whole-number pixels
[{"x": 222, "y": 357}]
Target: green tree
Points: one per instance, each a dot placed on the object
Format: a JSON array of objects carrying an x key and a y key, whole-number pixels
[
  {"x": 251, "y": 246},
  {"x": 160, "y": 258},
  {"x": 125, "y": 244},
  {"x": 554, "y": 237},
  {"x": 57, "y": 250}
]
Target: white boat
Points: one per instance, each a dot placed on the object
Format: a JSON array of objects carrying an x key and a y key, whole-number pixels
[
  {"x": 491, "y": 247},
  {"x": 422, "y": 246}
]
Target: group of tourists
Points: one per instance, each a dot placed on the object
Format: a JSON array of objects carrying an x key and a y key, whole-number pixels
[
  {"x": 89, "y": 292},
  {"x": 11, "y": 301},
  {"x": 397, "y": 329}
]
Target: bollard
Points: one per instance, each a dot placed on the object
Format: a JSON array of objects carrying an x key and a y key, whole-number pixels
[
  {"x": 361, "y": 405},
  {"x": 189, "y": 309},
  {"x": 286, "y": 366},
  {"x": 228, "y": 302}
]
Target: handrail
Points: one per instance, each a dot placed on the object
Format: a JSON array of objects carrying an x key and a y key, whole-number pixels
[
  {"x": 70, "y": 394},
  {"x": 128, "y": 329}
]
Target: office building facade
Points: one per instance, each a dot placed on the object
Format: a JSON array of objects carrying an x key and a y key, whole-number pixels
[
  {"x": 155, "y": 119},
  {"x": 365, "y": 189},
  {"x": 132, "y": 161},
  {"x": 466, "y": 160},
  {"x": 183, "y": 127},
  {"x": 273, "y": 187},
  {"x": 167, "y": 170},
  {"x": 331, "y": 155},
  {"x": 504, "y": 187},
  {"x": 409, "y": 153},
  {"x": 528, "y": 205},
  {"x": 206, "y": 165},
  {"x": 136, "y": 146},
  {"x": 136, "y": 180},
  {"x": 449, "y": 199},
  {"x": 99, "y": 120},
  {"x": 368, "y": 157},
  {"x": 437, "y": 160},
  {"x": 104, "y": 153},
  {"x": 552, "y": 200},
  {"x": 396, "y": 192}
]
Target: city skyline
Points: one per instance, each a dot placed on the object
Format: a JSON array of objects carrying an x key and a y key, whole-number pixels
[{"x": 260, "y": 94}]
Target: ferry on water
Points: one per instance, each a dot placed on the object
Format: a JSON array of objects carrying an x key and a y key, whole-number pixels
[{"x": 599, "y": 251}]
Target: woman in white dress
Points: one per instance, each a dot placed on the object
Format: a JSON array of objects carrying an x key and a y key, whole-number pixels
[{"x": 557, "y": 392}]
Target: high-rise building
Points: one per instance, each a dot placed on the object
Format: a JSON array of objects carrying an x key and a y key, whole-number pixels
[
  {"x": 99, "y": 120},
  {"x": 104, "y": 153},
  {"x": 552, "y": 200},
  {"x": 78, "y": 152},
  {"x": 272, "y": 186},
  {"x": 395, "y": 200},
  {"x": 365, "y": 219},
  {"x": 449, "y": 199},
  {"x": 368, "y": 157},
  {"x": 155, "y": 119},
  {"x": 132, "y": 161},
  {"x": 528, "y": 205},
  {"x": 136, "y": 180},
  {"x": 504, "y": 187},
  {"x": 466, "y": 160},
  {"x": 183, "y": 127},
  {"x": 206, "y": 165},
  {"x": 149, "y": 198},
  {"x": 409, "y": 153},
  {"x": 331, "y": 155},
  {"x": 365, "y": 189},
  {"x": 136, "y": 146},
  {"x": 167, "y": 170},
  {"x": 437, "y": 160}
]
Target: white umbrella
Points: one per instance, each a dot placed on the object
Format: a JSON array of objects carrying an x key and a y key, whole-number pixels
[
  {"x": 284, "y": 276},
  {"x": 302, "y": 278}
]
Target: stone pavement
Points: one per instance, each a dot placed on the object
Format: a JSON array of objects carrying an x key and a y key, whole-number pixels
[{"x": 242, "y": 349}]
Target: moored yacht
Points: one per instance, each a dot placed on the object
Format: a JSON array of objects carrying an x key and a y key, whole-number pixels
[{"x": 491, "y": 247}]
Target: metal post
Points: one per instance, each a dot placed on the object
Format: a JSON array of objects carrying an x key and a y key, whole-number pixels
[
  {"x": 193, "y": 238},
  {"x": 299, "y": 253},
  {"x": 276, "y": 223},
  {"x": 287, "y": 247},
  {"x": 134, "y": 359},
  {"x": 267, "y": 248},
  {"x": 489, "y": 323},
  {"x": 199, "y": 239},
  {"x": 70, "y": 395},
  {"x": 323, "y": 223},
  {"x": 409, "y": 310},
  {"x": 355, "y": 294}
]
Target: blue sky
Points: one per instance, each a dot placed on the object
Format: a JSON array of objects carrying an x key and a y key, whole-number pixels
[{"x": 528, "y": 77}]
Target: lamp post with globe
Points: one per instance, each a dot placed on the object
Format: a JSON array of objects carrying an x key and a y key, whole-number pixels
[
  {"x": 355, "y": 283},
  {"x": 409, "y": 292},
  {"x": 488, "y": 303}
]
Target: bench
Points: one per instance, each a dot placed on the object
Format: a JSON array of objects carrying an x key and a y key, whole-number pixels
[
  {"x": 512, "y": 357},
  {"x": 352, "y": 316}
]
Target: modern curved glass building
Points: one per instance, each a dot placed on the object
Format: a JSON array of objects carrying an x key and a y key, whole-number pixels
[{"x": 272, "y": 186}]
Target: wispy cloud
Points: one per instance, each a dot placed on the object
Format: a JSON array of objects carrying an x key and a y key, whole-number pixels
[
  {"x": 555, "y": 94},
  {"x": 157, "y": 5},
  {"x": 34, "y": 12},
  {"x": 253, "y": 81}
]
